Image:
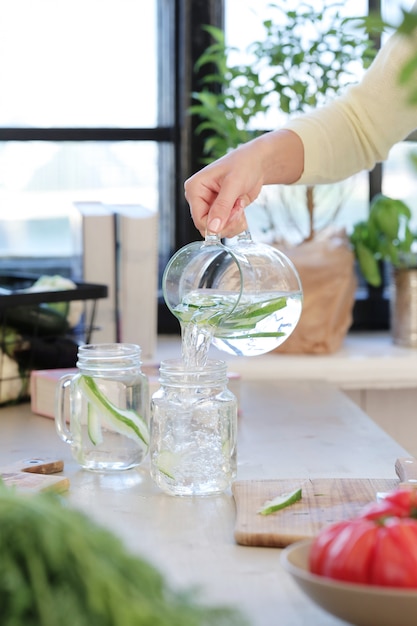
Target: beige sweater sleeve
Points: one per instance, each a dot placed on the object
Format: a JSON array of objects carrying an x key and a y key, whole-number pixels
[{"x": 358, "y": 129}]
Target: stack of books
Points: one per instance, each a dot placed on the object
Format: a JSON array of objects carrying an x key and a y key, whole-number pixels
[{"x": 117, "y": 245}]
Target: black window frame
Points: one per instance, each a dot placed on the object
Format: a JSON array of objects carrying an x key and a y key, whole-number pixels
[{"x": 181, "y": 40}]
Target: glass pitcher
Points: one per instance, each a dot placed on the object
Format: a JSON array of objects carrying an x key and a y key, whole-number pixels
[{"x": 246, "y": 298}]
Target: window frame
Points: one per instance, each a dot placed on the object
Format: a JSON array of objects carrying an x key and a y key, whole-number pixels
[{"x": 181, "y": 41}]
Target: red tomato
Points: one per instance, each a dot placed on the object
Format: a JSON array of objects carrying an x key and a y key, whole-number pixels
[
  {"x": 398, "y": 503},
  {"x": 361, "y": 550}
]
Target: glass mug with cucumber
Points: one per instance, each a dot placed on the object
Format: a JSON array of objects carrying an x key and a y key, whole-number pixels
[{"x": 102, "y": 410}]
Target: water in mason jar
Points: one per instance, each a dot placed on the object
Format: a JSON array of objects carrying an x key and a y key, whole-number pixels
[
  {"x": 102, "y": 441},
  {"x": 259, "y": 323},
  {"x": 191, "y": 444}
]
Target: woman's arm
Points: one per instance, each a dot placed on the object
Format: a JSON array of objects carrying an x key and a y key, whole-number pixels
[
  {"x": 358, "y": 129},
  {"x": 349, "y": 135}
]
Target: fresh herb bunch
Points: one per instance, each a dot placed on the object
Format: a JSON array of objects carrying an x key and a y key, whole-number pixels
[{"x": 57, "y": 566}]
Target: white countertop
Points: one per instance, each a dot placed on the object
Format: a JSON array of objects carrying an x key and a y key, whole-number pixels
[
  {"x": 285, "y": 431},
  {"x": 366, "y": 361}
]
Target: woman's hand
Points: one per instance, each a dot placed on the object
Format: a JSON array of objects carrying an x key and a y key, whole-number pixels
[{"x": 219, "y": 193}]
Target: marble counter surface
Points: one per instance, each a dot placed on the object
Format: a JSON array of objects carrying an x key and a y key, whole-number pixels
[{"x": 285, "y": 430}]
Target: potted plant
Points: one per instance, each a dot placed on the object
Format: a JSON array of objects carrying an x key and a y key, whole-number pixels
[
  {"x": 304, "y": 58},
  {"x": 386, "y": 237}
]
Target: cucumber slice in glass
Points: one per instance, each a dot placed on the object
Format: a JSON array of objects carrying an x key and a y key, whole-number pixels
[{"x": 123, "y": 421}]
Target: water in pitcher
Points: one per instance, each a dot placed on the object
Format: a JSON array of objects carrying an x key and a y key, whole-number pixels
[{"x": 258, "y": 324}]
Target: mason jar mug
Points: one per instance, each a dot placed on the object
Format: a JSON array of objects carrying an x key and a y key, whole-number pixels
[
  {"x": 103, "y": 410},
  {"x": 193, "y": 429}
]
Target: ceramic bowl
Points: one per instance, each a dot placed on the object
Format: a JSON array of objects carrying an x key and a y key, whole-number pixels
[{"x": 361, "y": 605}]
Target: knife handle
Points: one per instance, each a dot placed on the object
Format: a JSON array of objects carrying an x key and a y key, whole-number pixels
[{"x": 406, "y": 469}]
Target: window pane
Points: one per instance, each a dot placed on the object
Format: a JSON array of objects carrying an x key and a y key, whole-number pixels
[
  {"x": 244, "y": 17},
  {"x": 280, "y": 212},
  {"x": 244, "y": 25},
  {"x": 392, "y": 11},
  {"x": 78, "y": 63},
  {"x": 39, "y": 181}
]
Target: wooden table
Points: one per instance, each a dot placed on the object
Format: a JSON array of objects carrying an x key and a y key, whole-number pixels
[{"x": 286, "y": 430}]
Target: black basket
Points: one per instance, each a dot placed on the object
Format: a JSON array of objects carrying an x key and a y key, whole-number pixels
[{"x": 35, "y": 335}]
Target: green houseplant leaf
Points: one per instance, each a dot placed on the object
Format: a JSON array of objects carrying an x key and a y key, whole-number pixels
[{"x": 384, "y": 236}]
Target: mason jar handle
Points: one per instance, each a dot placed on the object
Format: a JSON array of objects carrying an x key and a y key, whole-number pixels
[{"x": 62, "y": 390}]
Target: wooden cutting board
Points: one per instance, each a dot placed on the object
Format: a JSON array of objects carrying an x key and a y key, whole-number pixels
[
  {"x": 324, "y": 500},
  {"x": 35, "y": 475}
]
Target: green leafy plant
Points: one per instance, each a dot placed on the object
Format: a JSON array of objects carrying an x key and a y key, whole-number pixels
[
  {"x": 384, "y": 236},
  {"x": 58, "y": 566},
  {"x": 305, "y": 57}
]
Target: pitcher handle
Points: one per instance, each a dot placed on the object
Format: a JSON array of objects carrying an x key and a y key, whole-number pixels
[{"x": 244, "y": 236}]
